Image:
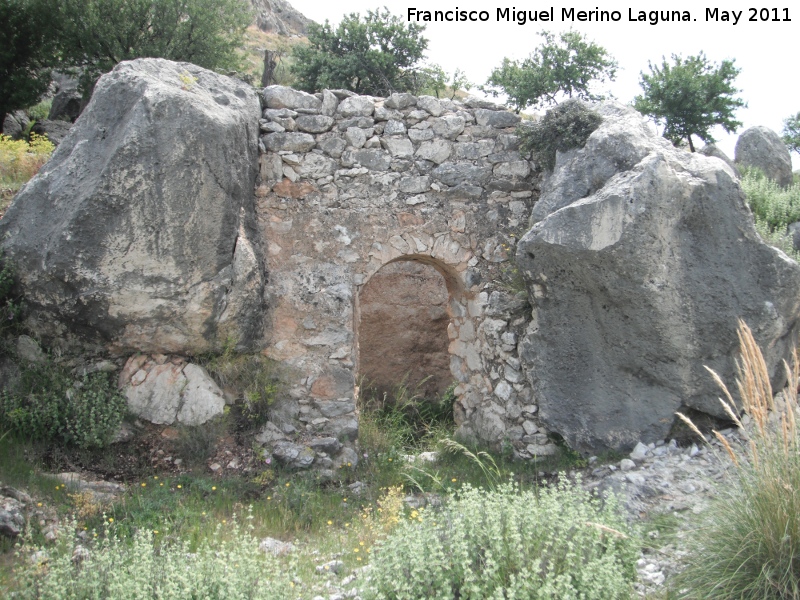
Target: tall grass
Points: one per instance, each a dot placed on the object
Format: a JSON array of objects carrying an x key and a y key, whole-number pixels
[
  {"x": 748, "y": 545},
  {"x": 21, "y": 160}
]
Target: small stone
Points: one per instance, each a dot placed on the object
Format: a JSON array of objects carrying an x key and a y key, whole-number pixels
[
  {"x": 626, "y": 464},
  {"x": 639, "y": 452}
]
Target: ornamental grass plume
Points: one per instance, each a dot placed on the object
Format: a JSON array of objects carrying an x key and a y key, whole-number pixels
[{"x": 748, "y": 543}]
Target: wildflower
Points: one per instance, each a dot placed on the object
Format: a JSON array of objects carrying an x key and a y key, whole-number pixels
[
  {"x": 360, "y": 543},
  {"x": 161, "y": 484},
  {"x": 349, "y": 464},
  {"x": 269, "y": 497},
  {"x": 358, "y": 558},
  {"x": 213, "y": 488},
  {"x": 204, "y": 513},
  {"x": 355, "y": 549},
  {"x": 344, "y": 499},
  {"x": 224, "y": 521},
  {"x": 366, "y": 455},
  {"x": 268, "y": 461},
  {"x": 155, "y": 476},
  {"x": 144, "y": 484},
  {"x": 287, "y": 484},
  {"x": 453, "y": 480},
  {"x": 179, "y": 486},
  {"x": 39, "y": 504},
  {"x": 110, "y": 519},
  {"x": 390, "y": 460},
  {"x": 330, "y": 522},
  {"x": 155, "y": 531}
]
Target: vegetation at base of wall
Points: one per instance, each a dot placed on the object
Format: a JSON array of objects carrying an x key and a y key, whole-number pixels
[
  {"x": 774, "y": 208},
  {"x": 254, "y": 379},
  {"x": 405, "y": 417},
  {"x": 10, "y": 305},
  {"x": 562, "y": 128},
  {"x": 49, "y": 404},
  {"x": 152, "y": 565},
  {"x": 555, "y": 542},
  {"x": 21, "y": 160},
  {"x": 750, "y": 543}
]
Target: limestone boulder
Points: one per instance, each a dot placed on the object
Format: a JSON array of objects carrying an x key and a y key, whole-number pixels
[
  {"x": 168, "y": 391},
  {"x": 637, "y": 280},
  {"x": 763, "y": 148},
  {"x": 140, "y": 233}
]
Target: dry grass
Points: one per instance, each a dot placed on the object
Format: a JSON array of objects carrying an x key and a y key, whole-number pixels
[{"x": 749, "y": 542}]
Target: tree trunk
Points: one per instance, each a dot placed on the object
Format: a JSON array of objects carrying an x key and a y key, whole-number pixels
[
  {"x": 691, "y": 145},
  {"x": 268, "y": 76}
]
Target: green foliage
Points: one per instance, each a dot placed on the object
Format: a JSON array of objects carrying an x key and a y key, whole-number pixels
[
  {"x": 774, "y": 208},
  {"x": 561, "y": 542},
  {"x": 49, "y": 405},
  {"x": 406, "y": 418},
  {"x": 562, "y": 128},
  {"x": 690, "y": 97},
  {"x": 791, "y": 133},
  {"x": 26, "y": 52},
  {"x": 21, "y": 160},
  {"x": 254, "y": 379},
  {"x": 749, "y": 548},
  {"x": 95, "y": 35},
  {"x": 10, "y": 306},
  {"x": 377, "y": 54},
  {"x": 40, "y": 110},
  {"x": 564, "y": 67},
  {"x": 435, "y": 81},
  {"x": 230, "y": 567}
]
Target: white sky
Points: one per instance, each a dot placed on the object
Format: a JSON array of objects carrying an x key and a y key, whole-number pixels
[{"x": 764, "y": 51}]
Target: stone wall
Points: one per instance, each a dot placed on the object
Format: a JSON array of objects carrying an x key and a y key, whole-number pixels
[{"x": 351, "y": 183}]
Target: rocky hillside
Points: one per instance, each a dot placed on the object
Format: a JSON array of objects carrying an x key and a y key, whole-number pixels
[{"x": 278, "y": 16}]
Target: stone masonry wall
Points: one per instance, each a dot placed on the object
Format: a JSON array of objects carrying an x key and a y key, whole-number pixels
[{"x": 351, "y": 183}]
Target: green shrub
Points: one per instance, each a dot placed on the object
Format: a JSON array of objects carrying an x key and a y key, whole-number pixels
[
  {"x": 20, "y": 160},
  {"x": 40, "y": 111},
  {"x": 48, "y": 404},
  {"x": 253, "y": 378},
  {"x": 774, "y": 208},
  {"x": 230, "y": 568},
  {"x": 562, "y": 128},
  {"x": 748, "y": 542},
  {"x": 10, "y": 306},
  {"x": 561, "y": 542}
]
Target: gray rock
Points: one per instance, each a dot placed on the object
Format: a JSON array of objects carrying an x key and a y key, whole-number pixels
[
  {"x": 166, "y": 393},
  {"x": 763, "y": 148},
  {"x": 329, "y": 445},
  {"x": 449, "y": 126},
  {"x": 332, "y": 145},
  {"x": 713, "y": 150},
  {"x": 400, "y": 101},
  {"x": 460, "y": 173},
  {"x": 55, "y": 131},
  {"x": 431, "y": 105},
  {"x": 335, "y": 408},
  {"x": 637, "y": 283},
  {"x": 329, "y": 103},
  {"x": 347, "y": 459},
  {"x": 278, "y": 96},
  {"x": 415, "y": 185},
  {"x": 398, "y": 147},
  {"x": 276, "y": 547},
  {"x": 67, "y": 102},
  {"x": 373, "y": 159},
  {"x": 420, "y": 135},
  {"x": 16, "y": 124},
  {"x": 496, "y": 118},
  {"x": 356, "y": 106},
  {"x": 293, "y": 456},
  {"x": 436, "y": 151},
  {"x": 356, "y": 137},
  {"x": 291, "y": 142},
  {"x": 393, "y": 127},
  {"x": 314, "y": 123},
  {"x": 28, "y": 349},
  {"x": 140, "y": 232},
  {"x": 269, "y": 433},
  {"x": 12, "y": 519}
]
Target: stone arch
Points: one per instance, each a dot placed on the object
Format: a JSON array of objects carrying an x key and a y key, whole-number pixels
[{"x": 455, "y": 305}]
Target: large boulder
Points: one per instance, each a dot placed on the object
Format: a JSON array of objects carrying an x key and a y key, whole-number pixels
[
  {"x": 639, "y": 282},
  {"x": 763, "y": 148},
  {"x": 140, "y": 233}
]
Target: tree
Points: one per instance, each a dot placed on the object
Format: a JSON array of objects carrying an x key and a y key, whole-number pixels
[
  {"x": 690, "y": 97},
  {"x": 791, "y": 133},
  {"x": 376, "y": 55},
  {"x": 566, "y": 67},
  {"x": 95, "y": 35},
  {"x": 26, "y": 51}
]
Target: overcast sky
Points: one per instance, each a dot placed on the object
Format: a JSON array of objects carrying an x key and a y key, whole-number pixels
[{"x": 766, "y": 52}]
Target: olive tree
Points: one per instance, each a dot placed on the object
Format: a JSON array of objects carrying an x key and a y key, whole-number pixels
[{"x": 690, "y": 96}]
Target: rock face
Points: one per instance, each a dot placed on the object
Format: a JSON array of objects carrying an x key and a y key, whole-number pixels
[
  {"x": 278, "y": 16},
  {"x": 642, "y": 261},
  {"x": 763, "y": 148},
  {"x": 164, "y": 391},
  {"x": 140, "y": 234}
]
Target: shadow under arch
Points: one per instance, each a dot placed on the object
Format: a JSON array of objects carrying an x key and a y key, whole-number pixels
[{"x": 437, "y": 355}]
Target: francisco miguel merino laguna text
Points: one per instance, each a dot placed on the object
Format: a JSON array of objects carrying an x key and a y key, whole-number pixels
[{"x": 653, "y": 17}]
